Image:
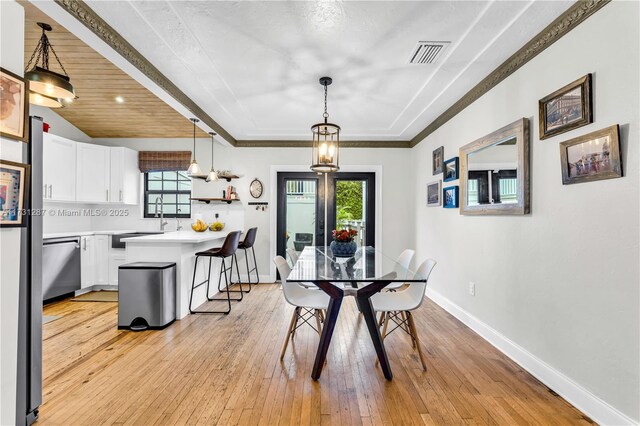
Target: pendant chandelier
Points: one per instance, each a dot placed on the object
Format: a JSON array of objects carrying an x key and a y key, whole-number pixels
[
  {"x": 47, "y": 88},
  {"x": 194, "y": 169},
  {"x": 326, "y": 140},
  {"x": 213, "y": 175}
]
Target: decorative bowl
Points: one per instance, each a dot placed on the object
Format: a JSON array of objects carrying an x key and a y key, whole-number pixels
[
  {"x": 216, "y": 226},
  {"x": 199, "y": 226}
]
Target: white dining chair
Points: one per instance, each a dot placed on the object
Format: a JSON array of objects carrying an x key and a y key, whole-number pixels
[
  {"x": 308, "y": 303},
  {"x": 403, "y": 261},
  {"x": 396, "y": 306},
  {"x": 293, "y": 256}
]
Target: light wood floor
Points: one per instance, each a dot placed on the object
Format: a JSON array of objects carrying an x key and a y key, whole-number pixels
[{"x": 225, "y": 370}]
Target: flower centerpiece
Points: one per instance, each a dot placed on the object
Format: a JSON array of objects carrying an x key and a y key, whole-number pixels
[{"x": 343, "y": 244}]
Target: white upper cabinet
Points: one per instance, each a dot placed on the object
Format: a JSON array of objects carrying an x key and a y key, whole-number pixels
[
  {"x": 92, "y": 173},
  {"x": 88, "y": 173},
  {"x": 125, "y": 176},
  {"x": 59, "y": 166}
]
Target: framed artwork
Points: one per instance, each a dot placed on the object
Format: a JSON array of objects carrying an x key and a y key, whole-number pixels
[
  {"x": 433, "y": 193},
  {"x": 14, "y": 106},
  {"x": 594, "y": 156},
  {"x": 14, "y": 188},
  {"x": 451, "y": 169},
  {"x": 450, "y": 197},
  {"x": 438, "y": 160},
  {"x": 566, "y": 109}
]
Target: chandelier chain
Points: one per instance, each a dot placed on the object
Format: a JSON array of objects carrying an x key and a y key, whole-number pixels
[
  {"x": 38, "y": 51},
  {"x": 326, "y": 114},
  {"x": 42, "y": 49}
]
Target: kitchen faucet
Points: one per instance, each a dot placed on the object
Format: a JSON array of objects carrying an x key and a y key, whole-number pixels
[
  {"x": 178, "y": 224},
  {"x": 162, "y": 221}
]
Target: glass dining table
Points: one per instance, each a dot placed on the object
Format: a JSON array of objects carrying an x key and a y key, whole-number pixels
[{"x": 364, "y": 274}]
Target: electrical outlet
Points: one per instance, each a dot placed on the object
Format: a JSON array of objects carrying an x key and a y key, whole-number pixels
[{"x": 472, "y": 288}]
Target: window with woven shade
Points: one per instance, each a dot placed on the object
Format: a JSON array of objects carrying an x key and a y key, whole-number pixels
[
  {"x": 165, "y": 176},
  {"x": 164, "y": 161}
]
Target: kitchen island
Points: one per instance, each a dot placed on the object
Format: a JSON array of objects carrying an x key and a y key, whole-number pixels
[{"x": 180, "y": 247}]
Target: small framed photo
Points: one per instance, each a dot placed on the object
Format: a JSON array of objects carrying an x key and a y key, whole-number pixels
[
  {"x": 566, "y": 109},
  {"x": 14, "y": 106},
  {"x": 14, "y": 190},
  {"x": 438, "y": 160},
  {"x": 594, "y": 156},
  {"x": 450, "y": 197},
  {"x": 433, "y": 193},
  {"x": 451, "y": 169}
]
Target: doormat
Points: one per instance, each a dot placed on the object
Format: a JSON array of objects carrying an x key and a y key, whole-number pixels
[
  {"x": 49, "y": 318},
  {"x": 97, "y": 296}
]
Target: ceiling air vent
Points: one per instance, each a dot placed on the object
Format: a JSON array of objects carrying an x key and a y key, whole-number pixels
[{"x": 427, "y": 52}]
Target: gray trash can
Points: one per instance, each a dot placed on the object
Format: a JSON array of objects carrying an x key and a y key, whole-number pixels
[{"x": 146, "y": 295}]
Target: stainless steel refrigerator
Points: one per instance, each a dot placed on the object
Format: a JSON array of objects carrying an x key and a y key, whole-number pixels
[{"x": 29, "y": 380}]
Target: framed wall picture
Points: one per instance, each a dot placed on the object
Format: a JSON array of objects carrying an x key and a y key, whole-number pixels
[
  {"x": 14, "y": 185},
  {"x": 566, "y": 109},
  {"x": 438, "y": 160},
  {"x": 14, "y": 106},
  {"x": 433, "y": 193},
  {"x": 594, "y": 156},
  {"x": 451, "y": 169},
  {"x": 450, "y": 197}
]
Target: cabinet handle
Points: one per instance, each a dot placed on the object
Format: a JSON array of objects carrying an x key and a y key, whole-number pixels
[
  {"x": 51, "y": 191},
  {"x": 107, "y": 195},
  {"x": 121, "y": 195},
  {"x": 84, "y": 244},
  {"x": 45, "y": 191}
]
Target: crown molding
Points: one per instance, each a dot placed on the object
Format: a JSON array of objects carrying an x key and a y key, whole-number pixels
[
  {"x": 571, "y": 18},
  {"x": 90, "y": 19},
  {"x": 307, "y": 144}
]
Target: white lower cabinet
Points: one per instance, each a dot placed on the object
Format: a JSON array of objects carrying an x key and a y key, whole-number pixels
[
  {"x": 87, "y": 261},
  {"x": 115, "y": 260},
  {"x": 98, "y": 262},
  {"x": 102, "y": 259}
]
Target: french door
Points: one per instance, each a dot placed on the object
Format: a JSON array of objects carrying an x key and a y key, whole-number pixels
[{"x": 350, "y": 202}]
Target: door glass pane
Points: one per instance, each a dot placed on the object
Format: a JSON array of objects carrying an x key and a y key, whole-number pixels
[
  {"x": 301, "y": 214},
  {"x": 351, "y": 207}
]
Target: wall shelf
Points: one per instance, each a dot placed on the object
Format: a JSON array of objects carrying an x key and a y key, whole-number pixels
[{"x": 209, "y": 200}]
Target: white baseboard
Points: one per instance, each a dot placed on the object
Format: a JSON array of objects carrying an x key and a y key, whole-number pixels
[
  {"x": 266, "y": 279},
  {"x": 581, "y": 398},
  {"x": 98, "y": 287}
]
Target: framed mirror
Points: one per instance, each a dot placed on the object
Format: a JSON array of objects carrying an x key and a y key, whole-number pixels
[{"x": 494, "y": 172}]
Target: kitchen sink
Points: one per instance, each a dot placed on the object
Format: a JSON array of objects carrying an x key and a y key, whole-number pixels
[{"x": 116, "y": 239}]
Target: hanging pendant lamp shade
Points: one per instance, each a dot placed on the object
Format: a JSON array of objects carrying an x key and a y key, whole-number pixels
[
  {"x": 325, "y": 151},
  {"x": 45, "y": 101},
  {"x": 52, "y": 87},
  {"x": 194, "y": 169},
  {"x": 213, "y": 175}
]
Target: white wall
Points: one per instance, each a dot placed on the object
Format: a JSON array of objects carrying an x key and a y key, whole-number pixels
[
  {"x": 58, "y": 125},
  {"x": 11, "y": 58},
  {"x": 562, "y": 282},
  {"x": 397, "y": 185}
]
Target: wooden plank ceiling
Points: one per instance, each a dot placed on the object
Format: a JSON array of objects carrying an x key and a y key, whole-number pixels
[{"x": 97, "y": 83}]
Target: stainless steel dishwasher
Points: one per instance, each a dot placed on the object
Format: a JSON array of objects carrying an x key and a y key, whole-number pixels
[{"x": 60, "y": 266}]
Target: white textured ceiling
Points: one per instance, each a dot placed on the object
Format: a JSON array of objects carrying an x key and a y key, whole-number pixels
[{"x": 254, "y": 66}]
